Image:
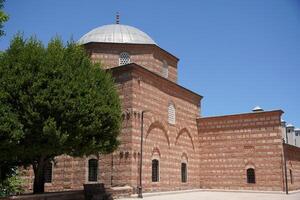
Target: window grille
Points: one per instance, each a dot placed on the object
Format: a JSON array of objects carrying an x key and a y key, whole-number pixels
[
  {"x": 93, "y": 170},
  {"x": 171, "y": 114},
  {"x": 183, "y": 173},
  {"x": 155, "y": 170},
  {"x": 165, "y": 69},
  {"x": 124, "y": 58},
  {"x": 250, "y": 175},
  {"x": 48, "y": 172}
]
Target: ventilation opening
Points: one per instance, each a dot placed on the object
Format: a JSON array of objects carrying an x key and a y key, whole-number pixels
[
  {"x": 124, "y": 58},
  {"x": 171, "y": 114}
]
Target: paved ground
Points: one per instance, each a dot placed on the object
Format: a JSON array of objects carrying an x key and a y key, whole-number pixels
[{"x": 212, "y": 195}]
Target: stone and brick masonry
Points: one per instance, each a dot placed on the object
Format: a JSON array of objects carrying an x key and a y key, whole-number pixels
[
  {"x": 231, "y": 144},
  {"x": 217, "y": 150}
]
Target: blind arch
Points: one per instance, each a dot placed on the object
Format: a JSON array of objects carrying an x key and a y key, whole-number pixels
[
  {"x": 165, "y": 69},
  {"x": 171, "y": 113}
]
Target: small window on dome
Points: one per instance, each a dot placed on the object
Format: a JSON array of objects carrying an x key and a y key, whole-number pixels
[
  {"x": 165, "y": 69},
  {"x": 124, "y": 58}
]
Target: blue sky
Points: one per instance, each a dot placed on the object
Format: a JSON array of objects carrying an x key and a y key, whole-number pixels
[{"x": 236, "y": 53}]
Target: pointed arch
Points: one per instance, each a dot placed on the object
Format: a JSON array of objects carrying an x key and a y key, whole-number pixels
[
  {"x": 156, "y": 150},
  {"x": 160, "y": 126},
  {"x": 184, "y": 130},
  {"x": 184, "y": 156},
  {"x": 249, "y": 164}
]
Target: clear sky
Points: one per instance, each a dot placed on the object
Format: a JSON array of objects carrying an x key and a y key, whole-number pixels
[{"x": 235, "y": 53}]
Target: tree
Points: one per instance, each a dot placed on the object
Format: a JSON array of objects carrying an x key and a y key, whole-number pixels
[
  {"x": 54, "y": 101},
  {"x": 3, "y": 17},
  {"x": 12, "y": 184}
]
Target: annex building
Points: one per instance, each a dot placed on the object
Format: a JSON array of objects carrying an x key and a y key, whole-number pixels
[{"x": 181, "y": 149}]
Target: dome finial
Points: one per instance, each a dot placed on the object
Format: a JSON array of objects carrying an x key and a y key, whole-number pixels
[{"x": 118, "y": 18}]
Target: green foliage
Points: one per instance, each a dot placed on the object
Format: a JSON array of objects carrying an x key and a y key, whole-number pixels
[
  {"x": 12, "y": 185},
  {"x": 3, "y": 17},
  {"x": 7, "y": 169},
  {"x": 53, "y": 101}
]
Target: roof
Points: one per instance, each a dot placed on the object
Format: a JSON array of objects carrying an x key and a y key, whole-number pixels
[
  {"x": 242, "y": 114},
  {"x": 154, "y": 46},
  {"x": 240, "y": 121},
  {"x": 161, "y": 82},
  {"x": 290, "y": 125},
  {"x": 116, "y": 33}
]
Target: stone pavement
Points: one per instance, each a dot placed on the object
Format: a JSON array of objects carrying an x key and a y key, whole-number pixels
[{"x": 218, "y": 195}]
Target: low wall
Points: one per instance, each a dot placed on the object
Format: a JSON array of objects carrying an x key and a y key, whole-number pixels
[
  {"x": 69, "y": 195},
  {"x": 231, "y": 144},
  {"x": 92, "y": 191},
  {"x": 117, "y": 192},
  {"x": 292, "y": 154}
]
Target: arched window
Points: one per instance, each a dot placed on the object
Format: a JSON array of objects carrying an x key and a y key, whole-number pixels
[
  {"x": 165, "y": 69},
  {"x": 291, "y": 176},
  {"x": 124, "y": 58},
  {"x": 183, "y": 172},
  {"x": 48, "y": 172},
  {"x": 171, "y": 113},
  {"x": 93, "y": 170},
  {"x": 155, "y": 170},
  {"x": 250, "y": 175}
]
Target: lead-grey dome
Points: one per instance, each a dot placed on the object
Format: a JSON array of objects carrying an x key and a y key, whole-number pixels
[{"x": 116, "y": 33}]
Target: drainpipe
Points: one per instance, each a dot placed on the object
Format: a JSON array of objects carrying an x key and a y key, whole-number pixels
[
  {"x": 285, "y": 169},
  {"x": 112, "y": 169},
  {"x": 140, "y": 188},
  {"x": 286, "y": 136}
]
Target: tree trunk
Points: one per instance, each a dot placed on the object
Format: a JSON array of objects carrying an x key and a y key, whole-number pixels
[{"x": 39, "y": 178}]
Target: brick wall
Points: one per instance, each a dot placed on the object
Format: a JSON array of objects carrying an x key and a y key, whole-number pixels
[
  {"x": 170, "y": 144},
  {"x": 217, "y": 150},
  {"x": 231, "y": 144},
  {"x": 71, "y": 173},
  {"x": 149, "y": 56},
  {"x": 292, "y": 155}
]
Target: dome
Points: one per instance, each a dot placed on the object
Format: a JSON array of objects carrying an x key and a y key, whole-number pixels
[
  {"x": 290, "y": 125},
  {"x": 257, "y": 109},
  {"x": 116, "y": 33}
]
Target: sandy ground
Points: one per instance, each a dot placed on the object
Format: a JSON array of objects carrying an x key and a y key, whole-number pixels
[{"x": 215, "y": 195}]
